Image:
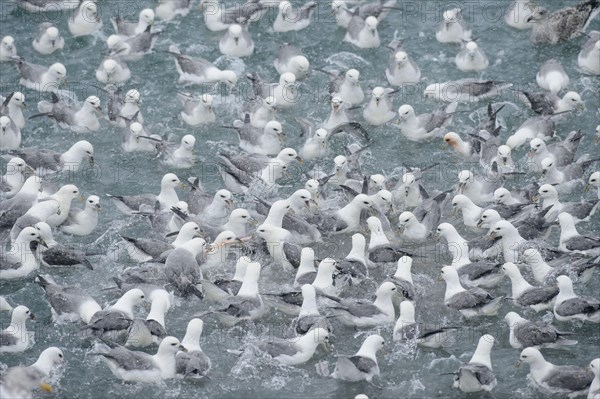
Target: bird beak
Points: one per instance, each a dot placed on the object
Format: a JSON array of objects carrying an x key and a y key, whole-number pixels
[
  {"x": 229, "y": 203},
  {"x": 491, "y": 236},
  {"x": 91, "y": 160},
  {"x": 182, "y": 185},
  {"x": 587, "y": 188},
  {"x": 46, "y": 387},
  {"x": 461, "y": 187},
  {"x": 24, "y": 106},
  {"x": 182, "y": 348},
  {"x": 535, "y": 198},
  {"x": 440, "y": 277},
  {"x": 98, "y": 207},
  {"x": 253, "y": 222},
  {"x": 99, "y": 111},
  {"x": 307, "y": 204},
  {"x": 299, "y": 159},
  {"x": 518, "y": 364},
  {"x": 30, "y": 169},
  {"x": 81, "y": 198},
  {"x": 544, "y": 172},
  {"x": 43, "y": 243},
  {"x": 480, "y": 223},
  {"x": 237, "y": 41},
  {"x": 31, "y": 316}
]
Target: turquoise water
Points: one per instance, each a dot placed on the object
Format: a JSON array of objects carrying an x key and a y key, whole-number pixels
[{"x": 405, "y": 370}]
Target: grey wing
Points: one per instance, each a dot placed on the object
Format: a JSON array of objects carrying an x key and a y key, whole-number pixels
[
  {"x": 66, "y": 299},
  {"x": 352, "y": 267},
  {"x": 572, "y": 378},
  {"x": 580, "y": 210},
  {"x": 62, "y": 255},
  {"x": 130, "y": 360},
  {"x": 305, "y": 323},
  {"x": 108, "y": 320},
  {"x": 31, "y": 72},
  {"x": 360, "y": 309},
  {"x": 568, "y": 22},
  {"x": 353, "y": 128},
  {"x": 469, "y": 299},
  {"x": 384, "y": 253},
  {"x": 155, "y": 328},
  {"x": 250, "y": 163},
  {"x": 292, "y": 253},
  {"x": 192, "y": 363},
  {"x": 306, "y": 278},
  {"x": 329, "y": 223},
  {"x": 582, "y": 243},
  {"x": 578, "y": 305},
  {"x": 355, "y": 25},
  {"x": 135, "y": 202},
  {"x": 189, "y": 102},
  {"x": 278, "y": 347},
  {"x": 530, "y": 334},
  {"x": 363, "y": 364},
  {"x": 476, "y": 88},
  {"x": 479, "y": 269},
  {"x": 6, "y": 264},
  {"x": 181, "y": 269},
  {"x": 7, "y": 339},
  {"x": 124, "y": 27},
  {"x": 40, "y": 158},
  {"x": 142, "y": 42},
  {"x": 588, "y": 46},
  {"x": 541, "y": 103},
  {"x": 152, "y": 247},
  {"x": 434, "y": 120},
  {"x": 193, "y": 66},
  {"x": 482, "y": 373},
  {"x": 537, "y": 295}
]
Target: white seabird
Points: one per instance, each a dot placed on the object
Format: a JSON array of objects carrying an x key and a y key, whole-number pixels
[
  {"x": 525, "y": 334},
  {"x": 16, "y": 338},
  {"x": 86, "y": 21},
  {"x": 363, "y": 365},
  {"x": 569, "y": 306},
  {"x": 472, "y": 302},
  {"x": 477, "y": 375},
  {"x": 552, "y": 76},
  {"x": 136, "y": 366},
  {"x": 297, "y": 350},
  {"x": 571, "y": 380},
  {"x": 48, "y": 39},
  {"x": 194, "y": 363}
]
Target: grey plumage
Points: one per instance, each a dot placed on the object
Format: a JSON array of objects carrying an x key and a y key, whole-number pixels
[
  {"x": 562, "y": 25},
  {"x": 193, "y": 364},
  {"x": 182, "y": 270}
]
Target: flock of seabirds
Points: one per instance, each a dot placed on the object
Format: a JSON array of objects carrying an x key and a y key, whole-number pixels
[{"x": 507, "y": 224}]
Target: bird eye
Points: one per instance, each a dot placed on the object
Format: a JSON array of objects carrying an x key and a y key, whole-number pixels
[
  {"x": 244, "y": 217},
  {"x": 196, "y": 228},
  {"x": 365, "y": 202},
  {"x": 60, "y": 355},
  {"x": 497, "y": 228},
  {"x": 32, "y": 234},
  {"x": 142, "y": 297},
  {"x": 75, "y": 192},
  {"x": 174, "y": 181},
  {"x": 222, "y": 196},
  {"x": 27, "y": 312},
  {"x": 90, "y": 201},
  {"x": 185, "y": 142},
  {"x": 484, "y": 217},
  {"x": 173, "y": 344},
  {"x": 545, "y": 191}
]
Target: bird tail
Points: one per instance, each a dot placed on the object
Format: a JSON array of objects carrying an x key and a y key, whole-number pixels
[{"x": 44, "y": 280}]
